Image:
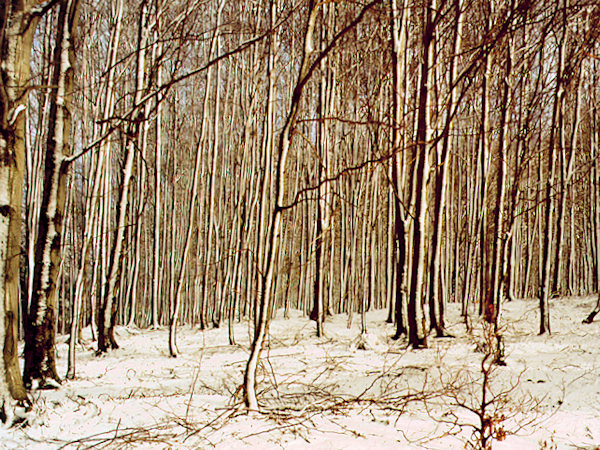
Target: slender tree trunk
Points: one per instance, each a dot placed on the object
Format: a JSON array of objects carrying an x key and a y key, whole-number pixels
[
  {"x": 40, "y": 367},
  {"x": 436, "y": 296},
  {"x": 567, "y": 151},
  {"x": 211, "y": 215},
  {"x": 268, "y": 271},
  {"x": 499, "y": 206},
  {"x": 322, "y": 204},
  {"x": 156, "y": 275},
  {"x": 108, "y": 307},
  {"x": 399, "y": 20},
  {"x": 548, "y": 235},
  {"x": 486, "y": 305},
  {"x": 90, "y": 220},
  {"x": 416, "y": 329},
  {"x": 193, "y": 197}
]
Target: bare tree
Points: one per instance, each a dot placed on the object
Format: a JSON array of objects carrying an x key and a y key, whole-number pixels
[
  {"x": 18, "y": 20},
  {"x": 108, "y": 306},
  {"x": 40, "y": 365},
  {"x": 265, "y": 303}
]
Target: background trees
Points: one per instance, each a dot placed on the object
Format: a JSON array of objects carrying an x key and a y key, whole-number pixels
[{"x": 226, "y": 159}]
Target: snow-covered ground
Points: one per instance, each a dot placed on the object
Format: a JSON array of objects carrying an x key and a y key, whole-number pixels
[{"x": 337, "y": 392}]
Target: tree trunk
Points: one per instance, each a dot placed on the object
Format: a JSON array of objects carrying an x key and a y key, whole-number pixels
[
  {"x": 399, "y": 38},
  {"x": 193, "y": 198},
  {"x": 156, "y": 276},
  {"x": 416, "y": 329},
  {"x": 15, "y": 52},
  {"x": 266, "y": 286},
  {"x": 436, "y": 296},
  {"x": 40, "y": 366},
  {"x": 108, "y": 307},
  {"x": 548, "y": 235}
]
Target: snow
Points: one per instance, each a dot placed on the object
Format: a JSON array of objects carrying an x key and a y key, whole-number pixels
[{"x": 341, "y": 391}]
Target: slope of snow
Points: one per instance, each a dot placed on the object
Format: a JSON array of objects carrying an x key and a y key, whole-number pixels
[{"x": 341, "y": 391}]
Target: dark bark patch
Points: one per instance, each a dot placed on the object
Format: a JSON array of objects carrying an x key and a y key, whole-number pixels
[
  {"x": 55, "y": 246},
  {"x": 9, "y": 338},
  {"x": 6, "y": 210}
]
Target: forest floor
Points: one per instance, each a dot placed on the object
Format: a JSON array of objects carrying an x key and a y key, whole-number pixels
[{"x": 337, "y": 392}]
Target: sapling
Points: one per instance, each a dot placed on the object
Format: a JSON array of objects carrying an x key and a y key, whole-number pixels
[{"x": 489, "y": 405}]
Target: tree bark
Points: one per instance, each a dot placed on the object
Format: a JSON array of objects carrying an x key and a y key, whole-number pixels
[
  {"x": 108, "y": 306},
  {"x": 548, "y": 235},
  {"x": 15, "y": 51},
  {"x": 416, "y": 329},
  {"x": 436, "y": 296},
  {"x": 40, "y": 366},
  {"x": 399, "y": 19},
  {"x": 193, "y": 198}
]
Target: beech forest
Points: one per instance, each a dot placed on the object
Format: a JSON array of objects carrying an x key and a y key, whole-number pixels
[{"x": 415, "y": 177}]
